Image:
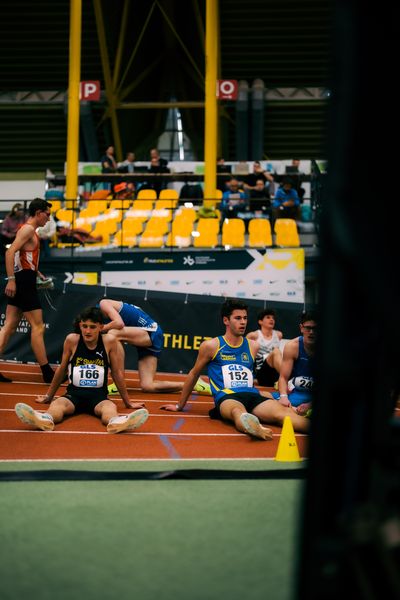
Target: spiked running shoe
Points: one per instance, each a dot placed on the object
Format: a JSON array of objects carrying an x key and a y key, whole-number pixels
[
  {"x": 128, "y": 422},
  {"x": 254, "y": 428},
  {"x": 202, "y": 387},
  {"x": 112, "y": 389},
  {"x": 39, "y": 420}
]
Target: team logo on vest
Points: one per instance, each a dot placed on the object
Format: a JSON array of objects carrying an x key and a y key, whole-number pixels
[{"x": 245, "y": 357}]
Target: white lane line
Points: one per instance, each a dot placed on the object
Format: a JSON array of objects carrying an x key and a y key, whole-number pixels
[{"x": 153, "y": 433}]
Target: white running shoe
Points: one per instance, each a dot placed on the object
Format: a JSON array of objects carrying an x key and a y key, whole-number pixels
[
  {"x": 202, "y": 387},
  {"x": 39, "y": 420},
  {"x": 127, "y": 422},
  {"x": 253, "y": 427}
]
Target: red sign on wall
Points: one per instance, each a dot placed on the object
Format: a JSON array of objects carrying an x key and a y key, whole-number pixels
[
  {"x": 89, "y": 90},
  {"x": 227, "y": 89}
]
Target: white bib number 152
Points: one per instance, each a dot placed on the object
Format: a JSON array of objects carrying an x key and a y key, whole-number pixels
[{"x": 237, "y": 376}]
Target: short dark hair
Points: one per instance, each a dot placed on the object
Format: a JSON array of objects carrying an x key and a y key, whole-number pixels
[
  {"x": 308, "y": 315},
  {"x": 38, "y": 204},
  {"x": 230, "y": 305},
  {"x": 266, "y": 312},
  {"x": 92, "y": 313}
]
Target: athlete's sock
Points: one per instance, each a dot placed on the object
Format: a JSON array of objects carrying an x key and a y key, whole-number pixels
[
  {"x": 4, "y": 379},
  {"x": 47, "y": 373}
]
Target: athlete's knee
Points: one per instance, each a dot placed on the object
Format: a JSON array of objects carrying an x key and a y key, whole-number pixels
[
  {"x": 38, "y": 329},
  {"x": 147, "y": 386}
]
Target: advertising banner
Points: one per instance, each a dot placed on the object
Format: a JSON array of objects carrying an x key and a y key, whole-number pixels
[
  {"x": 186, "y": 322},
  {"x": 274, "y": 275}
]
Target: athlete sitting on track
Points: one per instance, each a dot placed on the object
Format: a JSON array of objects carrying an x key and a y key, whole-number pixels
[
  {"x": 230, "y": 359},
  {"x": 296, "y": 378},
  {"x": 87, "y": 355},
  {"x": 269, "y": 356},
  {"x": 132, "y": 325}
]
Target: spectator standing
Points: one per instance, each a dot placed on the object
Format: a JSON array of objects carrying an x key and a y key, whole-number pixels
[
  {"x": 108, "y": 162},
  {"x": 259, "y": 173}
]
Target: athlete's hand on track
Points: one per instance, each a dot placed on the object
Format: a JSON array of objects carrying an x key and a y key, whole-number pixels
[
  {"x": 135, "y": 405},
  {"x": 171, "y": 407},
  {"x": 43, "y": 399}
]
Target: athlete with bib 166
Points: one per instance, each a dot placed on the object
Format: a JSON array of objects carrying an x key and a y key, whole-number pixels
[{"x": 87, "y": 356}]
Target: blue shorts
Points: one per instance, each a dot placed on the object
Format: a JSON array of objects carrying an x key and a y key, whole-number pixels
[
  {"x": 157, "y": 344},
  {"x": 296, "y": 398}
]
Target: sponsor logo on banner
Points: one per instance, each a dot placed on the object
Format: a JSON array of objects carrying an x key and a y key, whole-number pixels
[{"x": 188, "y": 260}]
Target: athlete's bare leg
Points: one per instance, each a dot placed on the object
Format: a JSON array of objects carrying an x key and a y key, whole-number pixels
[{"x": 147, "y": 368}]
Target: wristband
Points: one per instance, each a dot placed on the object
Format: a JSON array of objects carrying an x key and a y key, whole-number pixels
[
  {"x": 10, "y": 277},
  {"x": 283, "y": 396}
]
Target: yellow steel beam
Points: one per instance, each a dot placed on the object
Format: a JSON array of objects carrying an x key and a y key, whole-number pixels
[
  {"x": 211, "y": 112},
  {"x": 71, "y": 191}
]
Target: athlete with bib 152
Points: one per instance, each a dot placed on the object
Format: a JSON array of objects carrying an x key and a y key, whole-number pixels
[{"x": 229, "y": 359}]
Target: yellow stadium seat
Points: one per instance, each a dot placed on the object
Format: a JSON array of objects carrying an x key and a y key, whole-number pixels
[
  {"x": 180, "y": 235},
  {"x": 260, "y": 234},
  {"x": 286, "y": 233},
  {"x": 151, "y": 239},
  {"x": 186, "y": 213},
  {"x": 233, "y": 232},
  {"x": 169, "y": 195},
  {"x": 147, "y": 195},
  {"x": 128, "y": 240},
  {"x": 65, "y": 214},
  {"x": 132, "y": 226},
  {"x": 206, "y": 234}
]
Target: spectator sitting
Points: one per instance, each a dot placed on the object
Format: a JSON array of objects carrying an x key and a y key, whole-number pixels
[
  {"x": 70, "y": 235},
  {"x": 286, "y": 202},
  {"x": 260, "y": 202},
  {"x": 233, "y": 200},
  {"x": 158, "y": 164},
  {"x": 294, "y": 169},
  {"x": 12, "y": 222},
  {"x": 124, "y": 191},
  {"x": 127, "y": 165}
]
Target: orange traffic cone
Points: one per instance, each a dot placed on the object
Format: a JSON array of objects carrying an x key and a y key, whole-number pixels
[{"x": 287, "y": 447}]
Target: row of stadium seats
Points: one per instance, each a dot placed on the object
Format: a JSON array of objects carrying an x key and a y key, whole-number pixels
[{"x": 184, "y": 231}]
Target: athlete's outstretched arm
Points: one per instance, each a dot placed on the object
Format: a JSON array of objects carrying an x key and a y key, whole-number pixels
[
  {"x": 69, "y": 348},
  {"x": 207, "y": 350}
]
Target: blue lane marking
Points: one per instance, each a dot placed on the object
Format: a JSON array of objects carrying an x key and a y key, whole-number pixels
[
  {"x": 170, "y": 449},
  {"x": 178, "y": 424}
]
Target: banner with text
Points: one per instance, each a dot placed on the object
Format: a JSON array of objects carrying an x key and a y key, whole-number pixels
[{"x": 275, "y": 275}]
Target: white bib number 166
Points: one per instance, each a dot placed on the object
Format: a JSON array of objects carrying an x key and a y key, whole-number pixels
[
  {"x": 237, "y": 376},
  {"x": 91, "y": 376}
]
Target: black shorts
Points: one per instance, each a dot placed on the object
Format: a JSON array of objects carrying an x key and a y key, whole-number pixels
[
  {"x": 267, "y": 375},
  {"x": 248, "y": 399},
  {"x": 84, "y": 405},
  {"x": 26, "y": 297}
]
